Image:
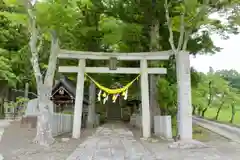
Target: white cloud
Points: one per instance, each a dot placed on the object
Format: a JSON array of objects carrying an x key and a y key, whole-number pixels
[{"x": 227, "y": 58}]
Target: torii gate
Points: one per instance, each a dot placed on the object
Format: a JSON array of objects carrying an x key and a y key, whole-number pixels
[{"x": 184, "y": 93}]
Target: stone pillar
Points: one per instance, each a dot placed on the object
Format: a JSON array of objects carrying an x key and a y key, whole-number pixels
[
  {"x": 146, "y": 120},
  {"x": 91, "y": 106},
  {"x": 184, "y": 96},
  {"x": 26, "y": 90},
  {"x": 77, "y": 119}
]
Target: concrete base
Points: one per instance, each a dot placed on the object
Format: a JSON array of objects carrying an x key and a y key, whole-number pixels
[
  {"x": 163, "y": 126},
  {"x": 187, "y": 144}
]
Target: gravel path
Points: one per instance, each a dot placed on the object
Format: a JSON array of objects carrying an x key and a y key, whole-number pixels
[
  {"x": 117, "y": 142},
  {"x": 110, "y": 142},
  {"x": 3, "y": 124},
  {"x": 16, "y": 145},
  {"x": 219, "y": 148}
]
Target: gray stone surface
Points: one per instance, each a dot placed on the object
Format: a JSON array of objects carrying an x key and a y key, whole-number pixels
[
  {"x": 111, "y": 142},
  {"x": 3, "y": 124},
  {"x": 1, "y": 133},
  {"x": 116, "y": 142},
  {"x": 16, "y": 144}
]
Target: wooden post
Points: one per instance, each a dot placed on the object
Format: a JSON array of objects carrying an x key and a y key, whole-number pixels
[
  {"x": 91, "y": 107},
  {"x": 146, "y": 120},
  {"x": 77, "y": 119},
  {"x": 184, "y": 96}
]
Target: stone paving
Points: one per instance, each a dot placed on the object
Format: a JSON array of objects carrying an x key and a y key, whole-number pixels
[
  {"x": 116, "y": 142},
  {"x": 3, "y": 124},
  {"x": 16, "y": 144},
  {"x": 111, "y": 143},
  {"x": 1, "y": 133}
]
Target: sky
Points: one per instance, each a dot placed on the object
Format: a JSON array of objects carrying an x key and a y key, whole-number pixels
[{"x": 227, "y": 58}]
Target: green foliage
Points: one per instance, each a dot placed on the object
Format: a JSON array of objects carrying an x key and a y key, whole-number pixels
[
  {"x": 6, "y": 72},
  {"x": 56, "y": 15},
  {"x": 167, "y": 98},
  {"x": 117, "y": 26},
  {"x": 232, "y": 76},
  {"x": 112, "y": 29},
  {"x": 214, "y": 92}
]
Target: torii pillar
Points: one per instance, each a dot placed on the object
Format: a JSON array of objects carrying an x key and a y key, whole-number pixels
[{"x": 77, "y": 119}]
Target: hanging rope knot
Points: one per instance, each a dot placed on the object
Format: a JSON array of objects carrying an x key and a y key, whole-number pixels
[{"x": 114, "y": 92}]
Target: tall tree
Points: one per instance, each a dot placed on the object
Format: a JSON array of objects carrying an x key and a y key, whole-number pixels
[{"x": 39, "y": 30}]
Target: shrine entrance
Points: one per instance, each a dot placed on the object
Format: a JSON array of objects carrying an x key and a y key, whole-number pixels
[
  {"x": 143, "y": 71},
  {"x": 113, "y": 110}
]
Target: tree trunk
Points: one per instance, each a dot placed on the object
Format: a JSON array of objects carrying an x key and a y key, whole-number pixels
[
  {"x": 218, "y": 112},
  {"x": 199, "y": 111},
  {"x": 44, "y": 132},
  {"x": 194, "y": 110},
  {"x": 91, "y": 107},
  {"x": 44, "y": 88},
  {"x": 233, "y": 113},
  {"x": 153, "y": 78},
  {"x": 154, "y": 46},
  {"x": 209, "y": 99},
  {"x": 220, "y": 107},
  {"x": 204, "y": 111}
]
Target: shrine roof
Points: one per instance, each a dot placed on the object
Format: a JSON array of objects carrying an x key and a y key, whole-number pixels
[{"x": 70, "y": 86}]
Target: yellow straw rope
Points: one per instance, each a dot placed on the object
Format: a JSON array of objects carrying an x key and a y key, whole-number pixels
[{"x": 112, "y": 91}]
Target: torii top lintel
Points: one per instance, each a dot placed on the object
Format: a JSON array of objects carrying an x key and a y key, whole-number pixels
[{"x": 70, "y": 54}]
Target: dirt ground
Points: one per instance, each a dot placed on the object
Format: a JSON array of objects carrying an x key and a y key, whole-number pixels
[
  {"x": 16, "y": 144},
  {"x": 214, "y": 142}
]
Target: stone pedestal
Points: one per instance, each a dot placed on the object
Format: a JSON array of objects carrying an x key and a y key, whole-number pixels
[{"x": 163, "y": 126}]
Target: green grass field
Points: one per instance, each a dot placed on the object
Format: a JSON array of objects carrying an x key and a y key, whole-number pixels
[{"x": 224, "y": 116}]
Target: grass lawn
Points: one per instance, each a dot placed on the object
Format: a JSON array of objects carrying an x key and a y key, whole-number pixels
[
  {"x": 199, "y": 133},
  {"x": 224, "y": 116}
]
